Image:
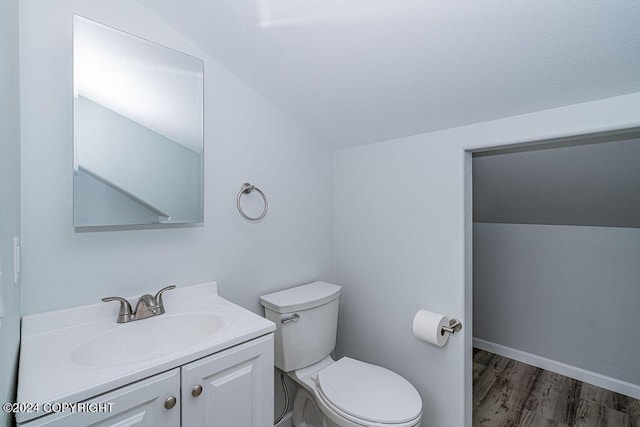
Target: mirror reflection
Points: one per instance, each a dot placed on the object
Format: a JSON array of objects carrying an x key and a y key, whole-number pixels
[{"x": 138, "y": 130}]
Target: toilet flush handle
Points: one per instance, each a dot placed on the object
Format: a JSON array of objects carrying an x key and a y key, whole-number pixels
[{"x": 288, "y": 319}]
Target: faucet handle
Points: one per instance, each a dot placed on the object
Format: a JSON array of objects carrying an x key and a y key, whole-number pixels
[
  {"x": 158, "y": 297},
  {"x": 125, "y": 313}
]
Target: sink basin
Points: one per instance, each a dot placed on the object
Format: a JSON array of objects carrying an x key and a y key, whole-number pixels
[{"x": 147, "y": 339}]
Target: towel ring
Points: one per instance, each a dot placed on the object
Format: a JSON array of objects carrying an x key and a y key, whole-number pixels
[{"x": 247, "y": 188}]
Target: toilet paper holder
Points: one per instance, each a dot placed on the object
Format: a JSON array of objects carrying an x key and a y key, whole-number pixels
[{"x": 454, "y": 326}]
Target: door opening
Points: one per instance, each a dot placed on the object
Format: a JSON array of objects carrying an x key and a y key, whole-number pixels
[{"x": 553, "y": 263}]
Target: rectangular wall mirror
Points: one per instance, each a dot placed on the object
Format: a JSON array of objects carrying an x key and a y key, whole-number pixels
[{"x": 138, "y": 130}]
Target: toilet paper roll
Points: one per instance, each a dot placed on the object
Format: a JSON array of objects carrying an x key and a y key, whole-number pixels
[{"x": 427, "y": 326}]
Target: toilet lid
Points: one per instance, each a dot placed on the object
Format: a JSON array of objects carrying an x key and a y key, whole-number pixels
[{"x": 369, "y": 392}]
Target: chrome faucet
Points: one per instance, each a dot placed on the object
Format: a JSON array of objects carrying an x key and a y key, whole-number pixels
[{"x": 147, "y": 306}]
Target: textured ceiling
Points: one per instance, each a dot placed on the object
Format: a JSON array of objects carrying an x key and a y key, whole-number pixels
[{"x": 358, "y": 71}]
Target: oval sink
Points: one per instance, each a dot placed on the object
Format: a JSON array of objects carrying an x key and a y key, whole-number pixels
[{"x": 147, "y": 339}]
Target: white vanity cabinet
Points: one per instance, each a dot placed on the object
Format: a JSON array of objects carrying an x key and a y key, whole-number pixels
[
  {"x": 231, "y": 388},
  {"x": 210, "y": 356}
]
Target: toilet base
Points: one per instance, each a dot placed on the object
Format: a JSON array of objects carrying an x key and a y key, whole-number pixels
[{"x": 306, "y": 412}]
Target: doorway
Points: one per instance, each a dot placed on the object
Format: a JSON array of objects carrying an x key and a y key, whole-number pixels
[{"x": 555, "y": 232}]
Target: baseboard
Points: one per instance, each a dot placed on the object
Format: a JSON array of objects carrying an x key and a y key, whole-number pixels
[
  {"x": 574, "y": 372},
  {"x": 286, "y": 421}
]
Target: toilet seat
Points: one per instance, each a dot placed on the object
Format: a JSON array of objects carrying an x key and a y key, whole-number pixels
[{"x": 364, "y": 393}]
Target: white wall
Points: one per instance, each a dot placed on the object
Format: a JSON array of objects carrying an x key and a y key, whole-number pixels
[
  {"x": 9, "y": 200},
  {"x": 399, "y": 243},
  {"x": 566, "y": 293},
  {"x": 247, "y": 139}
]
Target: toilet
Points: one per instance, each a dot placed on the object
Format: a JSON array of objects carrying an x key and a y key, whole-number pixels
[{"x": 333, "y": 393}]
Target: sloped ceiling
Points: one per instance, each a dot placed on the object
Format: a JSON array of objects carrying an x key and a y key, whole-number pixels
[
  {"x": 358, "y": 71},
  {"x": 590, "y": 185}
]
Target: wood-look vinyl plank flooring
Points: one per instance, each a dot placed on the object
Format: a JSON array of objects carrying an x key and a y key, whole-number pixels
[{"x": 514, "y": 394}]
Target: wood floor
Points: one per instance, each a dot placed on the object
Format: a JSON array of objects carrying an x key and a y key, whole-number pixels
[{"x": 511, "y": 393}]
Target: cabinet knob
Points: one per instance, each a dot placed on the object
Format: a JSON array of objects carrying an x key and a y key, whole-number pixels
[
  {"x": 197, "y": 391},
  {"x": 170, "y": 402}
]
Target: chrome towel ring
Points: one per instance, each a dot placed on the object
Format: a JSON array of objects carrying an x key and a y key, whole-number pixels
[{"x": 247, "y": 188}]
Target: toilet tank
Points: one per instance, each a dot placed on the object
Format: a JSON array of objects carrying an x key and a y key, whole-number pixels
[{"x": 306, "y": 319}]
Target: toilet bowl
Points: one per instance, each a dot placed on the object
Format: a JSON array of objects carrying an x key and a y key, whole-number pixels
[
  {"x": 351, "y": 393},
  {"x": 342, "y": 393}
]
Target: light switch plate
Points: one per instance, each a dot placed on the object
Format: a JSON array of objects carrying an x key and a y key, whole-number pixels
[
  {"x": 1, "y": 295},
  {"x": 17, "y": 258}
]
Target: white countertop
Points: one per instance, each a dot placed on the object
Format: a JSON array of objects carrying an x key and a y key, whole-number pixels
[{"x": 48, "y": 372}]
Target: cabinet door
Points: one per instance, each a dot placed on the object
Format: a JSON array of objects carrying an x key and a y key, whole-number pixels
[
  {"x": 237, "y": 387},
  {"x": 139, "y": 404}
]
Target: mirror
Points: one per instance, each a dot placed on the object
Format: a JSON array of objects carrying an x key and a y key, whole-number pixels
[{"x": 138, "y": 130}]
